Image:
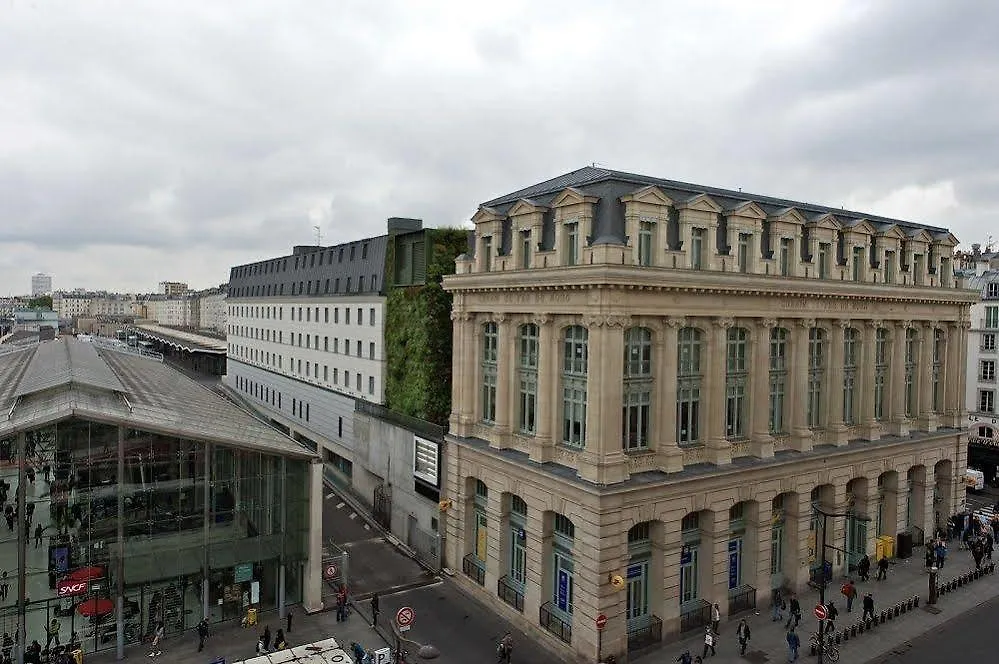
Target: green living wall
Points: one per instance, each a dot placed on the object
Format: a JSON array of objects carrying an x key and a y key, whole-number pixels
[{"x": 418, "y": 334}]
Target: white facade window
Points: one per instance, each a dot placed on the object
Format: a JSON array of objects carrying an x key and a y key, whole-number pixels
[
  {"x": 527, "y": 367},
  {"x": 778, "y": 379},
  {"x": 986, "y": 401},
  {"x": 825, "y": 251},
  {"x": 736, "y": 376},
  {"x": 989, "y": 342},
  {"x": 786, "y": 251},
  {"x": 571, "y": 239},
  {"x": 992, "y": 317},
  {"x": 742, "y": 252},
  {"x": 697, "y": 248},
  {"x": 987, "y": 371},
  {"x": 688, "y": 389},
  {"x": 992, "y": 290},
  {"x": 816, "y": 371},
  {"x": 637, "y": 388},
  {"x": 858, "y": 264},
  {"x": 574, "y": 377},
  {"x": 525, "y": 250}
]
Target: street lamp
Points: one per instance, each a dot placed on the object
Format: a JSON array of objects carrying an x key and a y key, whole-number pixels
[{"x": 822, "y": 568}]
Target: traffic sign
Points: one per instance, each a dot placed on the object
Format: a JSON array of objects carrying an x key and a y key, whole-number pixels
[
  {"x": 404, "y": 618},
  {"x": 820, "y": 612},
  {"x": 331, "y": 571},
  {"x": 601, "y": 621}
]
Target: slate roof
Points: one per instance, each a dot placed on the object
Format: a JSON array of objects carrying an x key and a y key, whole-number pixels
[
  {"x": 66, "y": 377},
  {"x": 604, "y": 182}
]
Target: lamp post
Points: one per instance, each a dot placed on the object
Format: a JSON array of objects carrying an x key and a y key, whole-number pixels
[{"x": 822, "y": 570}]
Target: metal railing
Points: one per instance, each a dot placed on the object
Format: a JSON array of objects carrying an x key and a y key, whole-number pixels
[
  {"x": 510, "y": 594},
  {"x": 742, "y": 598},
  {"x": 553, "y": 624},
  {"x": 645, "y": 633},
  {"x": 696, "y": 615},
  {"x": 473, "y": 570}
]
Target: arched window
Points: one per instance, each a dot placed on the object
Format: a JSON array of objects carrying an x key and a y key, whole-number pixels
[
  {"x": 639, "y": 558},
  {"x": 574, "y": 359},
  {"x": 527, "y": 369},
  {"x": 816, "y": 371},
  {"x": 637, "y": 388},
  {"x": 851, "y": 343},
  {"x": 736, "y": 377},
  {"x": 490, "y": 357},
  {"x": 688, "y": 389},
  {"x": 563, "y": 564},
  {"x": 778, "y": 379}
]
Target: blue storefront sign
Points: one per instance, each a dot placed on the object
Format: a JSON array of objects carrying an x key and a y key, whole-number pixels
[
  {"x": 562, "y": 599},
  {"x": 733, "y": 563},
  {"x": 634, "y": 571},
  {"x": 686, "y": 556}
]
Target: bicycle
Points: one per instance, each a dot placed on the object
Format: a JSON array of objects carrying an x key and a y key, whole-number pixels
[{"x": 830, "y": 651}]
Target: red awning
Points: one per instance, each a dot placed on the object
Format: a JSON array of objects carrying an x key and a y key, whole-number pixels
[
  {"x": 86, "y": 574},
  {"x": 98, "y": 606}
]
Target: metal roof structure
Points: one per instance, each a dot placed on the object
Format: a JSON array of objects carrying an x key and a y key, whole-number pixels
[
  {"x": 56, "y": 380},
  {"x": 181, "y": 340}
]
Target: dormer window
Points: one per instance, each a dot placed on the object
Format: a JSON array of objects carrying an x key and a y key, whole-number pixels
[
  {"x": 645, "y": 235},
  {"x": 697, "y": 249},
  {"x": 571, "y": 239},
  {"x": 825, "y": 251},
  {"x": 858, "y": 264},
  {"x": 487, "y": 253},
  {"x": 889, "y": 269},
  {"x": 525, "y": 249},
  {"x": 917, "y": 269},
  {"x": 786, "y": 249},
  {"x": 992, "y": 290},
  {"x": 945, "y": 272},
  {"x": 742, "y": 252}
]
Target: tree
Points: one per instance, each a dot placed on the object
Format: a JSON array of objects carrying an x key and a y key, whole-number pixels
[{"x": 41, "y": 302}]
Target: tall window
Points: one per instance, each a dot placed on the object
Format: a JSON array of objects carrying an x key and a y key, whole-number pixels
[
  {"x": 987, "y": 371},
  {"x": 688, "y": 389},
  {"x": 880, "y": 371},
  {"x": 742, "y": 252},
  {"x": 645, "y": 229},
  {"x": 487, "y": 253},
  {"x": 858, "y": 264},
  {"x": 786, "y": 250},
  {"x": 637, "y": 388},
  {"x": 517, "y": 572},
  {"x": 571, "y": 231},
  {"x": 736, "y": 374},
  {"x": 563, "y": 565},
  {"x": 816, "y": 371},
  {"x": 911, "y": 341},
  {"x": 986, "y": 401},
  {"x": 525, "y": 249},
  {"x": 851, "y": 339},
  {"x": 992, "y": 317},
  {"x": 490, "y": 355},
  {"x": 938, "y": 357},
  {"x": 917, "y": 269},
  {"x": 889, "y": 267},
  {"x": 527, "y": 366},
  {"x": 574, "y": 356},
  {"x": 697, "y": 248},
  {"x": 778, "y": 379},
  {"x": 825, "y": 251},
  {"x": 989, "y": 342}
]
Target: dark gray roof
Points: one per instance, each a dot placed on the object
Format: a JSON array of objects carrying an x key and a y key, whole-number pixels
[
  {"x": 618, "y": 183},
  {"x": 55, "y": 380},
  {"x": 315, "y": 271}
]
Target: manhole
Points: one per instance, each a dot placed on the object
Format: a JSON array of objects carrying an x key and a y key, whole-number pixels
[{"x": 756, "y": 657}]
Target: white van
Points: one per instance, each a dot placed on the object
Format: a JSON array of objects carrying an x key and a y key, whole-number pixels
[{"x": 974, "y": 480}]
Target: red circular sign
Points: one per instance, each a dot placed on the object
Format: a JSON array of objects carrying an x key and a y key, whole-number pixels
[
  {"x": 331, "y": 572},
  {"x": 601, "y": 621},
  {"x": 820, "y": 612},
  {"x": 405, "y": 616}
]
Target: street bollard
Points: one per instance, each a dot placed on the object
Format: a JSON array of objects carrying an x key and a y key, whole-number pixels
[
  {"x": 846, "y": 634},
  {"x": 836, "y": 638},
  {"x": 853, "y": 629},
  {"x": 915, "y": 601}
]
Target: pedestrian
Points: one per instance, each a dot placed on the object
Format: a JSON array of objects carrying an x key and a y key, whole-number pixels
[
  {"x": 882, "y": 568},
  {"x": 358, "y": 651},
  {"x": 155, "y": 651},
  {"x": 202, "y": 633},
  {"x": 864, "y": 568},
  {"x": 267, "y": 636},
  {"x": 868, "y": 607},
  {"x": 53, "y": 633},
  {"x": 4, "y": 587},
  {"x": 793, "y": 613},
  {"x": 505, "y": 649},
  {"x": 716, "y": 618},
  {"x": 778, "y": 607},
  {"x": 261, "y": 648},
  {"x": 684, "y": 658},
  {"x": 374, "y": 610},
  {"x": 38, "y": 535},
  {"x": 743, "y": 634},
  {"x": 341, "y": 603},
  {"x": 279, "y": 641},
  {"x": 289, "y": 621},
  {"x": 978, "y": 552},
  {"x": 709, "y": 642},
  {"x": 931, "y": 556},
  {"x": 850, "y": 592},
  {"x": 793, "y": 642},
  {"x": 832, "y": 612}
]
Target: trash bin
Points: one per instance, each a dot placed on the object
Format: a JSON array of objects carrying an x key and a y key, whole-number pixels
[
  {"x": 905, "y": 544},
  {"x": 77, "y": 656},
  {"x": 251, "y": 616},
  {"x": 885, "y": 547}
]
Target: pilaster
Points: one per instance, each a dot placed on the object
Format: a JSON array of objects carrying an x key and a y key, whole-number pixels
[
  {"x": 899, "y": 422},
  {"x": 758, "y": 535},
  {"x": 312, "y": 600},
  {"x": 669, "y": 457},
  {"x": 543, "y": 445},
  {"x": 506, "y": 380},
  {"x": 714, "y": 542},
  {"x": 927, "y": 420},
  {"x": 837, "y": 536},
  {"x": 672, "y": 552},
  {"x": 718, "y": 449},
  {"x": 461, "y": 415},
  {"x": 535, "y": 584},
  {"x": 870, "y": 429},
  {"x": 801, "y": 435},
  {"x": 603, "y": 461},
  {"x": 494, "y": 535},
  {"x": 762, "y": 443},
  {"x": 836, "y": 432},
  {"x": 953, "y": 401}
]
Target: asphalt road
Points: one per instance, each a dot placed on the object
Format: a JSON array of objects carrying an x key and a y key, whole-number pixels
[{"x": 966, "y": 638}]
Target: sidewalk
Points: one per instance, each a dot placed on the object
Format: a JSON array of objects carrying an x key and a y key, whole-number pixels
[{"x": 905, "y": 579}]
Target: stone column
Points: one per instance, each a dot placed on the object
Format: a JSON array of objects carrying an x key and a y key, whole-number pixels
[
  {"x": 797, "y": 517},
  {"x": 312, "y": 601},
  {"x": 927, "y": 418},
  {"x": 801, "y": 435},
  {"x": 494, "y": 536},
  {"x": 899, "y": 422},
  {"x": 757, "y": 542},
  {"x": 506, "y": 381},
  {"x": 962, "y": 367},
  {"x": 714, "y": 546},
  {"x": 953, "y": 398},
  {"x": 837, "y": 530},
  {"x": 836, "y": 432},
  {"x": 472, "y": 364},
  {"x": 603, "y": 461},
  {"x": 672, "y": 551},
  {"x": 547, "y": 410},
  {"x": 669, "y": 457},
  {"x": 762, "y": 443},
  {"x": 870, "y": 429},
  {"x": 718, "y": 449},
  {"x": 462, "y": 416},
  {"x": 536, "y": 592}
]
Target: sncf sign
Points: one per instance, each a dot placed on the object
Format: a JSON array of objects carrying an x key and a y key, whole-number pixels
[{"x": 71, "y": 587}]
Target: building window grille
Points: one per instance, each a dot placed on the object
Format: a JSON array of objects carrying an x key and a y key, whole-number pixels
[
  {"x": 880, "y": 371},
  {"x": 851, "y": 342},
  {"x": 736, "y": 376},
  {"x": 858, "y": 264},
  {"x": 637, "y": 388},
  {"x": 816, "y": 373},
  {"x": 697, "y": 248},
  {"x": 645, "y": 236},
  {"x": 571, "y": 231},
  {"x": 574, "y": 361},
  {"x": 911, "y": 341},
  {"x": 936, "y": 369},
  {"x": 742, "y": 252},
  {"x": 490, "y": 358},
  {"x": 778, "y": 379},
  {"x": 688, "y": 392},
  {"x": 786, "y": 251},
  {"x": 527, "y": 367}
]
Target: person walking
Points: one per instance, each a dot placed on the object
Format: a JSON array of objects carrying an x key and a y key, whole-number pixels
[
  {"x": 744, "y": 635},
  {"x": 341, "y": 603},
  {"x": 504, "y": 650},
  {"x": 709, "y": 642},
  {"x": 155, "y": 650},
  {"x": 833, "y": 613},
  {"x": 202, "y": 633},
  {"x": 280, "y": 643},
  {"x": 716, "y": 618},
  {"x": 684, "y": 658},
  {"x": 864, "y": 568},
  {"x": 778, "y": 607},
  {"x": 978, "y": 552},
  {"x": 941, "y": 552},
  {"x": 261, "y": 648},
  {"x": 288, "y": 621},
  {"x": 849, "y": 590},
  {"x": 793, "y": 643},
  {"x": 793, "y": 613},
  {"x": 374, "y": 610},
  {"x": 38, "y": 535},
  {"x": 882, "y": 568},
  {"x": 868, "y": 607}
]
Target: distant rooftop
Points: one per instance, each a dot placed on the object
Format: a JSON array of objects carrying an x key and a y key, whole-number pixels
[
  {"x": 55, "y": 380},
  {"x": 184, "y": 340}
]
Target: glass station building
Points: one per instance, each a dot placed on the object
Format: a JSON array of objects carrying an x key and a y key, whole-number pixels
[{"x": 131, "y": 494}]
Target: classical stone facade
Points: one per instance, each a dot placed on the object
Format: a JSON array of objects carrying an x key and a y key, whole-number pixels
[{"x": 655, "y": 384}]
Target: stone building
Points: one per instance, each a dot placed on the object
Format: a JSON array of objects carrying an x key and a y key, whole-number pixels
[{"x": 655, "y": 383}]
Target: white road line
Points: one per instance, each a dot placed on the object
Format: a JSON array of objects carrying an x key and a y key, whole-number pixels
[
  {"x": 340, "y": 506},
  {"x": 353, "y": 515},
  {"x": 367, "y": 527},
  {"x": 331, "y": 495}
]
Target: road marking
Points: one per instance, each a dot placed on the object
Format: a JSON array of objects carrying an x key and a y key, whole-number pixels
[
  {"x": 353, "y": 515},
  {"x": 367, "y": 527},
  {"x": 340, "y": 506},
  {"x": 330, "y": 495}
]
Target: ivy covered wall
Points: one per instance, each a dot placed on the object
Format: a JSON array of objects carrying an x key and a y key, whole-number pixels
[{"x": 418, "y": 332}]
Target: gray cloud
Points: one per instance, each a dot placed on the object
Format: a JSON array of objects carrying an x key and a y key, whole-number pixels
[{"x": 142, "y": 141}]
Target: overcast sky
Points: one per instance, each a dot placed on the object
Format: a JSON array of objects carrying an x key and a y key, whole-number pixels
[{"x": 150, "y": 141}]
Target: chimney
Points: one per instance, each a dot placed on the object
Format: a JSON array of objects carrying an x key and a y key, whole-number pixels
[{"x": 976, "y": 249}]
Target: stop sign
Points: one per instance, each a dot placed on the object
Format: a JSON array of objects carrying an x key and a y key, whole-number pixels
[
  {"x": 601, "y": 621},
  {"x": 820, "y": 612}
]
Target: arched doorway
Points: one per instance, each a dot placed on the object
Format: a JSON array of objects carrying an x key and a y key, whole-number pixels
[{"x": 859, "y": 505}]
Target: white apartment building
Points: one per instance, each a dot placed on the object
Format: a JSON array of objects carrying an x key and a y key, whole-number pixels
[
  {"x": 212, "y": 308},
  {"x": 85, "y": 305},
  {"x": 41, "y": 284},
  {"x": 168, "y": 311},
  {"x": 982, "y": 361}
]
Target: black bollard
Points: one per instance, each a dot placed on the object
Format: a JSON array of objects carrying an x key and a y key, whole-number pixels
[
  {"x": 853, "y": 630},
  {"x": 915, "y": 601},
  {"x": 846, "y": 634},
  {"x": 836, "y": 638}
]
